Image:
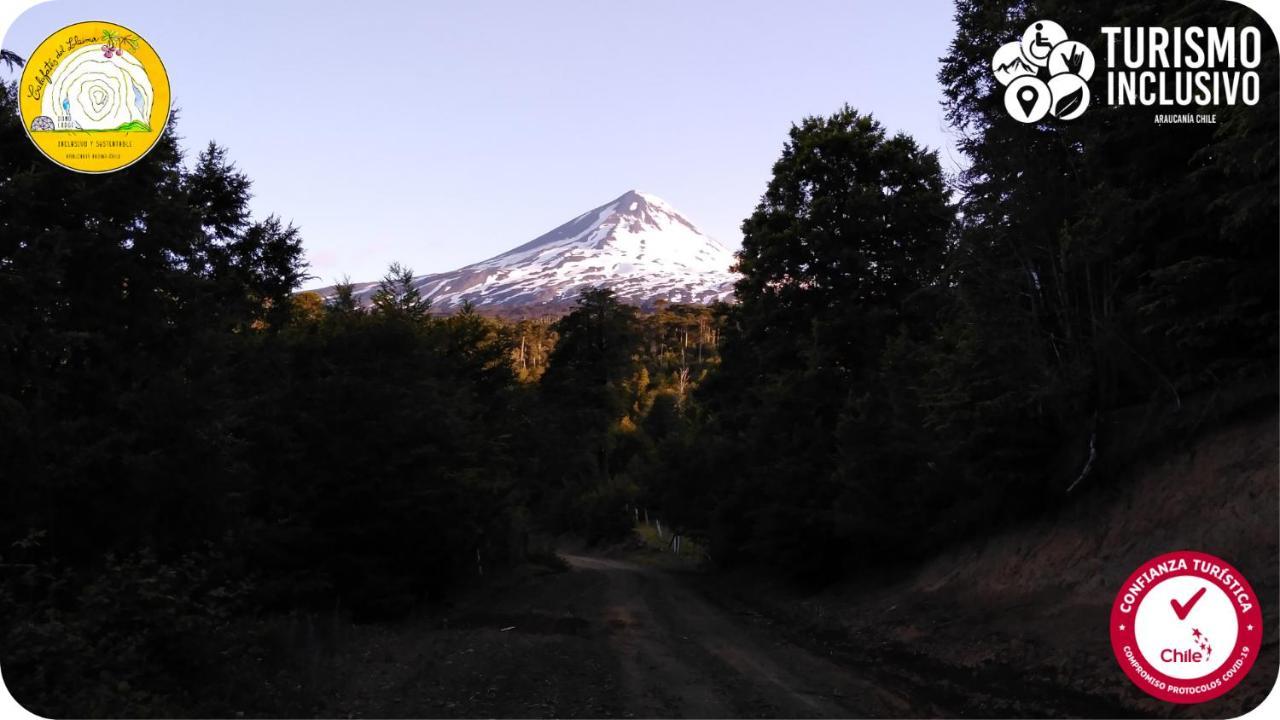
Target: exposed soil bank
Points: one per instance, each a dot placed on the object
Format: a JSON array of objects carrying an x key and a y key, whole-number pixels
[
  {"x": 1017, "y": 624},
  {"x": 1012, "y": 625}
]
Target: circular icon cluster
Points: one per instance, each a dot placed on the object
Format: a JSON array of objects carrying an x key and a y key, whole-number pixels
[{"x": 1044, "y": 52}]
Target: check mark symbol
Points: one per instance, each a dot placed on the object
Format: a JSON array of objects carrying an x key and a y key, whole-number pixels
[{"x": 1182, "y": 609}]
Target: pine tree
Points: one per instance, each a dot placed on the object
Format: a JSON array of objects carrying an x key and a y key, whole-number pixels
[{"x": 396, "y": 295}]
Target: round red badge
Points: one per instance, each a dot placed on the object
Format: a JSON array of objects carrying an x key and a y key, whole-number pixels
[{"x": 1186, "y": 627}]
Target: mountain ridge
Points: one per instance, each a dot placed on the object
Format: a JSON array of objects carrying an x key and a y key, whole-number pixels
[{"x": 637, "y": 245}]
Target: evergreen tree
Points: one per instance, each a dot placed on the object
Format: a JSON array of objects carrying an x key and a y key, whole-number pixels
[
  {"x": 12, "y": 60},
  {"x": 1099, "y": 263},
  {"x": 585, "y": 401},
  {"x": 343, "y": 301},
  {"x": 396, "y": 295},
  {"x": 851, "y": 232}
]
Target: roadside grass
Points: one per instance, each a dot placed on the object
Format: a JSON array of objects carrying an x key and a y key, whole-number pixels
[{"x": 657, "y": 551}]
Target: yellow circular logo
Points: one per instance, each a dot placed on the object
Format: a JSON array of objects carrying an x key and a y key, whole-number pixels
[{"x": 94, "y": 97}]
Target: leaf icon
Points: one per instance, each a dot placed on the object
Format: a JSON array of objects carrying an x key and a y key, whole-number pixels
[{"x": 1069, "y": 103}]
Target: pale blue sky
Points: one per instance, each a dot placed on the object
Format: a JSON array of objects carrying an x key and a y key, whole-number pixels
[{"x": 442, "y": 133}]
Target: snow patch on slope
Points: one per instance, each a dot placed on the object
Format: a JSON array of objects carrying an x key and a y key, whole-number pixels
[{"x": 637, "y": 245}]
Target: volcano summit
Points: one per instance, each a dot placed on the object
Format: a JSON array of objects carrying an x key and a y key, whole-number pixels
[{"x": 636, "y": 245}]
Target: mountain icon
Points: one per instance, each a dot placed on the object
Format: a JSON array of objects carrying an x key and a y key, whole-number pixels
[{"x": 1015, "y": 65}]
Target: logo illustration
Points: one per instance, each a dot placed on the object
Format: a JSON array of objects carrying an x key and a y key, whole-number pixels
[
  {"x": 1044, "y": 74},
  {"x": 1186, "y": 627},
  {"x": 94, "y": 97}
]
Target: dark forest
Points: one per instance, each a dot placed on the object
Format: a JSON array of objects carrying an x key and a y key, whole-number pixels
[{"x": 193, "y": 452}]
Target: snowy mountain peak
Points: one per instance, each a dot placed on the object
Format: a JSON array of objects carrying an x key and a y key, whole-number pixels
[
  {"x": 622, "y": 222},
  {"x": 645, "y": 210},
  {"x": 634, "y": 203},
  {"x": 637, "y": 245}
]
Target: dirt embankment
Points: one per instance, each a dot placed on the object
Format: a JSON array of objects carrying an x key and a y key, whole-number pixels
[
  {"x": 1013, "y": 625},
  {"x": 1017, "y": 624}
]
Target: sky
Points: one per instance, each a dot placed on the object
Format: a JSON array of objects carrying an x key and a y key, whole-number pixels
[{"x": 438, "y": 134}]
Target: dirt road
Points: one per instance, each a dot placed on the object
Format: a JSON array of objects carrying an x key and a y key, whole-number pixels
[
  {"x": 681, "y": 656},
  {"x": 1007, "y": 626},
  {"x": 607, "y": 638}
]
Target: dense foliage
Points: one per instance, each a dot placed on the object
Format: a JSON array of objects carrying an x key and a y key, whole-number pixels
[
  {"x": 187, "y": 445},
  {"x": 898, "y": 373},
  {"x": 839, "y": 263},
  {"x": 190, "y": 452}
]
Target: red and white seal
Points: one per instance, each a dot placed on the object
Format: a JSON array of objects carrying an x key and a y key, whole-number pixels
[{"x": 1186, "y": 627}]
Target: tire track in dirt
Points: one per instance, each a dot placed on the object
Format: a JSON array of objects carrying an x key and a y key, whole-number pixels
[{"x": 681, "y": 656}]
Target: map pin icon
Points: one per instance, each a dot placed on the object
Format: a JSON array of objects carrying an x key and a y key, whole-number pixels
[{"x": 1027, "y": 97}]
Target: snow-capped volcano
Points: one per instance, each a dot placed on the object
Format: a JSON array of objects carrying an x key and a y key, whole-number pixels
[{"x": 636, "y": 245}]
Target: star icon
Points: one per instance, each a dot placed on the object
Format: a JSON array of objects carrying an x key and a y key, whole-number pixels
[
  {"x": 1250, "y": 628},
  {"x": 1122, "y": 627},
  {"x": 1195, "y": 632}
]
